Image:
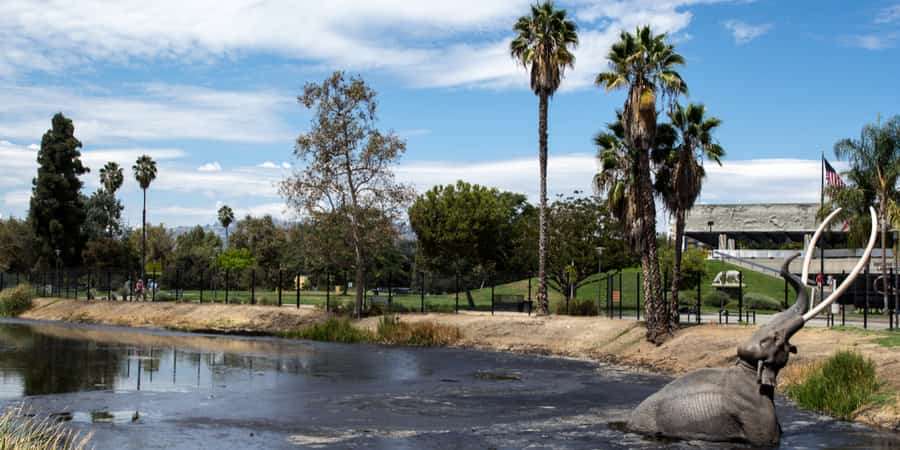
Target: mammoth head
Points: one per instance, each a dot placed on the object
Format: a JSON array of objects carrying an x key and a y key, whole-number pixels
[{"x": 769, "y": 347}]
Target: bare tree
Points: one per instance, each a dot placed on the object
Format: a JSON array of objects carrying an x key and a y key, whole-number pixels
[{"x": 346, "y": 164}]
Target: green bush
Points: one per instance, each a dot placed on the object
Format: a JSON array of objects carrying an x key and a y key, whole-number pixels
[
  {"x": 755, "y": 300},
  {"x": 15, "y": 301},
  {"x": 334, "y": 329},
  {"x": 839, "y": 386},
  {"x": 577, "y": 307},
  {"x": 716, "y": 299}
]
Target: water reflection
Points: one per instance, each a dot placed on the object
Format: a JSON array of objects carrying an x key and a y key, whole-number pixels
[{"x": 59, "y": 359}]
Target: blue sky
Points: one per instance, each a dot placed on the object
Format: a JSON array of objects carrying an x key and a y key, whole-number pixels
[{"x": 208, "y": 89}]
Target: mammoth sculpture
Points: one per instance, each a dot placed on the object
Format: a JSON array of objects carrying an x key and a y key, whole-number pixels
[{"x": 736, "y": 404}]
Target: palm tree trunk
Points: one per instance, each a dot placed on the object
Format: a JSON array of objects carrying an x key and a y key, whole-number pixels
[
  {"x": 884, "y": 276},
  {"x": 654, "y": 306},
  {"x": 543, "y": 304},
  {"x": 226, "y": 237},
  {"x": 676, "y": 270},
  {"x": 144, "y": 237}
]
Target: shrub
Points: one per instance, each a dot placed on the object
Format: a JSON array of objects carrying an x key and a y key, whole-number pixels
[
  {"x": 15, "y": 301},
  {"x": 755, "y": 300},
  {"x": 577, "y": 307},
  {"x": 425, "y": 334},
  {"x": 716, "y": 299},
  {"x": 838, "y": 386},
  {"x": 335, "y": 329},
  {"x": 160, "y": 296},
  {"x": 19, "y": 430}
]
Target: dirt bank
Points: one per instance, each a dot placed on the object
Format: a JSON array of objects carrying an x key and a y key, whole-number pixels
[
  {"x": 229, "y": 319},
  {"x": 618, "y": 341}
]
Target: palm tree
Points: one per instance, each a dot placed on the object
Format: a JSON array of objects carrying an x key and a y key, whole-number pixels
[
  {"x": 644, "y": 64},
  {"x": 111, "y": 177},
  {"x": 680, "y": 179},
  {"x": 543, "y": 45},
  {"x": 144, "y": 172},
  {"x": 874, "y": 172},
  {"x": 226, "y": 218}
]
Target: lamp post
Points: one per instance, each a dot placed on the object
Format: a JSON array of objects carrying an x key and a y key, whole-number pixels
[{"x": 710, "y": 224}]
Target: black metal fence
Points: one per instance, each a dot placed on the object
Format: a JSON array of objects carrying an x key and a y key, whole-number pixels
[{"x": 615, "y": 294}]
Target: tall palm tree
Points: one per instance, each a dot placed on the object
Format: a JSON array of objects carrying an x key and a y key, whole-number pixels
[
  {"x": 111, "y": 177},
  {"x": 874, "y": 173},
  {"x": 144, "y": 172},
  {"x": 644, "y": 64},
  {"x": 226, "y": 218},
  {"x": 680, "y": 178},
  {"x": 543, "y": 45}
]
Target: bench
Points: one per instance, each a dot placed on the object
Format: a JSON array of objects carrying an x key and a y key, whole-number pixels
[{"x": 511, "y": 302}]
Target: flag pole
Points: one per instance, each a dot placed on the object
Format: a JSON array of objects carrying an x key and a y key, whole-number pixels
[{"x": 822, "y": 242}]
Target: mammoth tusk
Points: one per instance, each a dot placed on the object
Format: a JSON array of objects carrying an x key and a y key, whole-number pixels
[
  {"x": 856, "y": 269},
  {"x": 807, "y": 256}
]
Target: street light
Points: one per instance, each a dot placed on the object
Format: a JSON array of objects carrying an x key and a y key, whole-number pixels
[{"x": 710, "y": 224}]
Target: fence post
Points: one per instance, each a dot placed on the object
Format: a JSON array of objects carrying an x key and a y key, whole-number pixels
[
  {"x": 422, "y": 291},
  {"x": 457, "y": 291},
  {"x": 76, "y": 286},
  {"x": 65, "y": 281},
  {"x": 492, "y": 296},
  {"x": 599, "y": 295},
  {"x": 866, "y": 305},
  {"x": 253, "y": 286},
  {"x": 280, "y": 284},
  {"x": 298, "y": 285},
  {"x": 390, "y": 290},
  {"x": 621, "y": 294},
  {"x": 637, "y": 286},
  {"x": 699, "y": 296},
  {"x": 740, "y": 296},
  {"x": 888, "y": 306}
]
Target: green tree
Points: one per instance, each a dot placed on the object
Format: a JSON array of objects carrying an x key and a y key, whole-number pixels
[
  {"x": 234, "y": 259},
  {"x": 543, "y": 45},
  {"x": 679, "y": 179},
  {"x": 644, "y": 64},
  {"x": 156, "y": 243},
  {"x": 465, "y": 227},
  {"x": 578, "y": 226},
  {"x": 194, "y": 251},
  {"x": 104, "y": 215},
  {"x": 347, "y": 164},
  {"x": 111, "y": 177},
  {"x": 266, "y": 242},
  {"x": 226, "y": 218},
  {"x": 144, "y": 172},
  {"x": 16, "y": 245},
  {"x": 57, "y": 207},
  {"x": 873, "y": 175}
]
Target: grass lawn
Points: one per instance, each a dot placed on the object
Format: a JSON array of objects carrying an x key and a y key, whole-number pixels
[{"x": 628, "y": 283}]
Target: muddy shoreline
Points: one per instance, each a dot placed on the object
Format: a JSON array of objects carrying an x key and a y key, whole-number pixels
[{"x": 619, "y": 342}]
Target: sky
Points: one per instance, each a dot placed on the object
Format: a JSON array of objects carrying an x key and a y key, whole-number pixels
[{"x": 208, "y": 89}]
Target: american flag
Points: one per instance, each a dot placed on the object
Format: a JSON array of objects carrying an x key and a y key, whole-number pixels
[{"x": 832, "y": 178}]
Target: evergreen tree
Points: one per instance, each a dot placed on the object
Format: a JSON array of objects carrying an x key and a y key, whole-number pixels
[{"x": 57, "y": 210}]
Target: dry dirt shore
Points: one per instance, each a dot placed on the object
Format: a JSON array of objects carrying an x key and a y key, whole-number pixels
[{"x": 616, "y": 341}]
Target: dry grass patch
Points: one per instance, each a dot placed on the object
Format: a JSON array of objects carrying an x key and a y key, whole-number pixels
[{"x": 20, "y": 431}]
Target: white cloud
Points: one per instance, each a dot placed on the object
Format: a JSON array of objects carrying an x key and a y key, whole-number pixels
[
  {"x": 210, "y": 167},
  {"x": 150, "y": 112},
  {"x": 285, "y": 165},
  {"x": 879, "y": 41},
  {"x": 890, "y": 14},
  {"x": 744, "y": 32},
  {"x": 464, "y": 42},
  {"x": 268, "y": 165}
]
